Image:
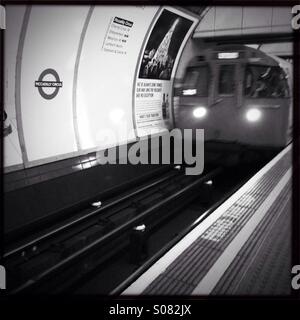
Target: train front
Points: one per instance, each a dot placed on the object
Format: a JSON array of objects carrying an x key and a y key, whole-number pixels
[{"x": 239, "y": 96}]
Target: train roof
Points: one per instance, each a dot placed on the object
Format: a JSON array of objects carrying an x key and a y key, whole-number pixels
[{"x": 234, "y": 52}]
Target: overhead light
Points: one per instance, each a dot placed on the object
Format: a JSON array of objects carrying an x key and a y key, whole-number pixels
[
  {"x": 199, "y": 112},
  {"x": 253, "y": 115},
  {"x": 189, "y": 92}
]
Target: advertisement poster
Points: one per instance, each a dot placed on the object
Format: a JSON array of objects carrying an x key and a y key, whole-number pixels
[{"x": 159, "y": 58}]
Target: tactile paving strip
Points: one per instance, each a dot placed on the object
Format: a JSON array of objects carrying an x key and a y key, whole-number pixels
[
  {"x": 187, "y": 270},
  {"x": 264, "y": 263}
]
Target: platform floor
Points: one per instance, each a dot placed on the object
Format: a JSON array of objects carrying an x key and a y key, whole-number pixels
[{"x": 242, "y": 248}]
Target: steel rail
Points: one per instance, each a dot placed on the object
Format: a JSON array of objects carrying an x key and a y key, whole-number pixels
[
  {"x": 77, "y": 256},
  {"x": 137, "y": 273},
  {"x": 85, "y": 217}
]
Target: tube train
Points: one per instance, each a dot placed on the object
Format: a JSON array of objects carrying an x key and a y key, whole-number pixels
[{"x": 238, "y": 95}]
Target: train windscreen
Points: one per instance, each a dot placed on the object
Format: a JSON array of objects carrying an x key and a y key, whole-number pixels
[
  {"x": 196, "y": 81},
  {"x": 265, "y": 82},
  {"x": 226, "y": 80}
]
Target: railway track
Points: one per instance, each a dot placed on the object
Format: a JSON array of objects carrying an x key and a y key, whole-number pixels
[
  {"x": 101, "y": 229},
  {"x": 116, "y": 232}
]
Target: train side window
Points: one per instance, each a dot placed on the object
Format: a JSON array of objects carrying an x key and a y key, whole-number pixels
[
  {"x": 265, "y": 82},
  {"x": 226, "y": 80},
  {"x": 196, "y": 81}
]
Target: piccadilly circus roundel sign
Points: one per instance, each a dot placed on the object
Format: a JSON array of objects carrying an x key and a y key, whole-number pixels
[{"x": 41, "y": 84}]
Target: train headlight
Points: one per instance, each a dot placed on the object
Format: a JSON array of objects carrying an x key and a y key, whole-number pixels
[
  {"x": 253, "y": 115},
  {"x": 200, "y": 112}
]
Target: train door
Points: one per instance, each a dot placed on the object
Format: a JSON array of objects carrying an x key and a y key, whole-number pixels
[{"x": 224, "y": 101}]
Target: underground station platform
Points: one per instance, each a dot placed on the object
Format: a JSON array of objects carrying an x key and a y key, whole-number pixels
[
  {"x": 151, "y": 155},
  {"x": 242, "y": 248}
]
